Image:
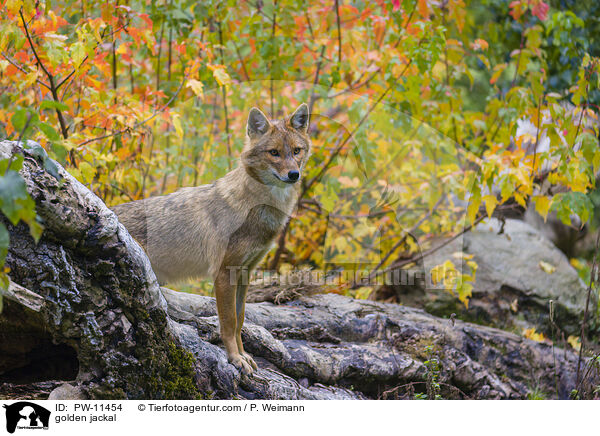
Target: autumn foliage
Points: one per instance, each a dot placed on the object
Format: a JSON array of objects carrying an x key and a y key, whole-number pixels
[{"x": 427, "y": 116}]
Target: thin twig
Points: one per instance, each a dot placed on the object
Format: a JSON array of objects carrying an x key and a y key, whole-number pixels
[
  {"x": 408, "y": 233},
  {"x": 237, "y": 52},
  {"x": 310, "y": 29},
  {"x": 311, "y": 102},
  {"x": 448, "y": 83},
  {"x": 271, "y": 63},
  {"x": 403, "y": 262},
  {"x": 18, "y": 67},
  {"x": 593, "y": 274},
  {"x": 339, "y": 30},
  {"x": 537, "y": 138},
  {"x": 224, "y": 94},
  {"x": 53, "y": 88},
  {"x": 351, "y": 134},
  {"x": 580, "y": 120}
]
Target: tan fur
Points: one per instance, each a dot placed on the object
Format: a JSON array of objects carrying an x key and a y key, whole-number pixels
[{"x": 215, "y": 231}]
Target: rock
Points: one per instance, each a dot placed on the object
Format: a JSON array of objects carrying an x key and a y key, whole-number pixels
[
  {"x": 67, "y": 391},
  {"x": 27, "y": 391},
  {"x": 371, "y": 348},
  {"x": 84, "y": 307},
  {"x": 519, "y": 272}
]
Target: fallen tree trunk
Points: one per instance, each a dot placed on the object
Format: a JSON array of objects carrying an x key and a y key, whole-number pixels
[{"x": 84, "y": 307}]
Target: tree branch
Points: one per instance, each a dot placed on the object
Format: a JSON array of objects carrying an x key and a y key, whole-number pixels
[
  {"x": 18, "y": 67},
  {"x": 53, "y": 88},
  {"x": 339, "y": 30}
]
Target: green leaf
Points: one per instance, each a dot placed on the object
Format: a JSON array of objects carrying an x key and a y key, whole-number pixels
[
  {"x": 572, "y": 203},
  {"x": 19, "y": 120},
  {"x": 16, "y": 204},
  {"x": 49, "y": 131},
  {"x": 38, "y": 151},
  {"x": 51, "y": 104},
  {"x": 12, "y": 189},
  {"x": 15, "y": 164},
  {"x": 87, "y": 171}
]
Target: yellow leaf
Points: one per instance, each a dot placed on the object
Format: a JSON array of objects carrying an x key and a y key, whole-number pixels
[
  {"x": 78, "y": 52},
  {"x": 542, "y": 205},
  {"x": 363, "y": 293},
  {"x": 122, "y": 49},
  {"x": 546, "y": 267},
  {"x": 177, "y": 125},
  {"x": 30, "y": 79},
  {"x": 473, "y": 265},
  {"x": 490, "y": 204},
  {"x": 13, "y": 6},
  {"x": 519, "y": 199},
  {"x": 220, "y": 74},
  {"x": 96, "y": 24},
  {"x": 437, "y": 274},
  {"x": 533, "y": 335},
  {"x": 87, "y": 171},
  {"x": 574, "y": 342},
  {"x": 496, "y": 75},
  {"x": 464, "y": 291},
  {"x": 473, "y": 208},
  {"x": 576, "y": 263},
  {"x": 75, "y": 173},
  {"x": 440, "y": 272},
  {"x": 196, "y": 86}
]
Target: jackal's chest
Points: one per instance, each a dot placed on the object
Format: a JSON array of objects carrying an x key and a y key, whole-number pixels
[
  {"x": 266, "y": 222},
  {"x": 261, "y": 226}
]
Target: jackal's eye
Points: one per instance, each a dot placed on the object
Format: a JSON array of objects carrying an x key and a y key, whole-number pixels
[
  {"x": 297, "y": 150},
  {"x": 273, "y": 152}
]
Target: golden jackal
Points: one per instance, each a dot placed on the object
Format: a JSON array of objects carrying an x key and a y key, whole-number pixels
[{"x": 223, "y": 230}]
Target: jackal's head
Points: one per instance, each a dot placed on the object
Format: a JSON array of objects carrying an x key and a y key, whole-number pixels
[{"x": 276, "y": 151}]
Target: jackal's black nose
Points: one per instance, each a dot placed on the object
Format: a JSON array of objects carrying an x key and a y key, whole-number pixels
[{"x": 293, "y": 175}]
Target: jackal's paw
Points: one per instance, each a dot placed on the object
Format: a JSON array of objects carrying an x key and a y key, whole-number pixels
[
  {"x": 240, "y": 363},
  {"x": 249, "y": 360}
]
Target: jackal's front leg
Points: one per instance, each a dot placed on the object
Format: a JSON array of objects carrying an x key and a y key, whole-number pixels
[
  {"x": 225, "y": 291},
  {"x": 240, "y": 308}
]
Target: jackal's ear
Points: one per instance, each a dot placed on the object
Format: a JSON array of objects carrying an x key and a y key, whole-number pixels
[
  {"x": 258, "y": 124},
  {"x": 299, "y": 119}
]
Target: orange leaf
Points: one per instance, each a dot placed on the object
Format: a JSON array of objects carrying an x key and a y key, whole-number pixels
[
  {"x": 540, "y": 10},
  {"x": 423, "y": 8}
]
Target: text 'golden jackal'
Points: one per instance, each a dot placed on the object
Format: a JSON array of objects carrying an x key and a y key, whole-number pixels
[{"x": 223, "y": 230}]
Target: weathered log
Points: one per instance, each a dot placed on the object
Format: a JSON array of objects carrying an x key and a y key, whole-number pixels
[{"x": 85, "y": 307}]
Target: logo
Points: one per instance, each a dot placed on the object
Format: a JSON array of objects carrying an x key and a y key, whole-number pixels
[{"x": 26, "y": 415}]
